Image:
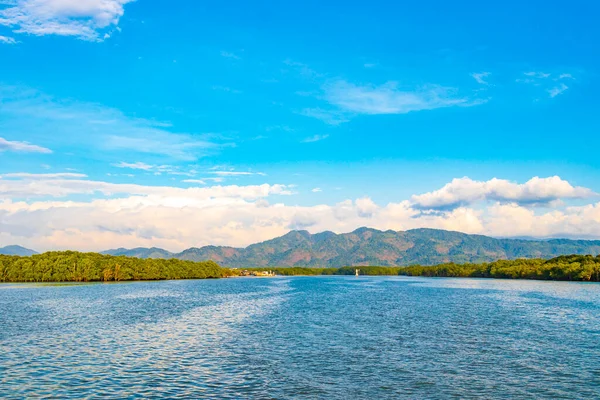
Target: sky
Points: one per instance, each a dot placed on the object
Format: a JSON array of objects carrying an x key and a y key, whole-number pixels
[{"x": 181, "y": 124}]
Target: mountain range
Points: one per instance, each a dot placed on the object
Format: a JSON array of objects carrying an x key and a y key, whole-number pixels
[{"x": 365, "y": 246}]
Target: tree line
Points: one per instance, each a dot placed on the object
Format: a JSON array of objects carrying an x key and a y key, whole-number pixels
[
  {"x": 563, "y": 268},
  {"x": 72, "y": 266}
]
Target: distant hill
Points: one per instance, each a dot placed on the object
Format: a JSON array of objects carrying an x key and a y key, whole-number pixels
[
  {"x": 367, "y": 246},
  {"x": 141, "y": 252},
  {"x": 16, "y": 251}
]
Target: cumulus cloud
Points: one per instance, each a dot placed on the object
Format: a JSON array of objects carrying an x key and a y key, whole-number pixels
[
  {"x": 177, "y": 218},
  {"x": 91, "y": 20},
  {"x": 464, "y": 191},
  {"x": 23, "y": 147}
]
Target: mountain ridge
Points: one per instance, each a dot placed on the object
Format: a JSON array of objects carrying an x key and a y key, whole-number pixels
[
  {"x": 368, "y": 246},
  {"x": 15, "y": 250}
]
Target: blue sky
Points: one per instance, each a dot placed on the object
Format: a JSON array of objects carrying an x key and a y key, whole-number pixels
[{"x": 102, "y": 103}]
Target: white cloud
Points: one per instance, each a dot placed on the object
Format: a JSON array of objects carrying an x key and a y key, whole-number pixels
[
  {"x": 7, "y": 40},
  {"x": 156, "y": 169},
  {"x": 29, "y": 112},
  {"x": 228, "y": 54},
  {"x": 85, "y": 19},
  {"x": 198, "y": 181},
  {"x": 555, "y": 91},
  {"x": 136, "y": 165},
  {"x": 480, "y": 77},
  {"x": 331, "y": 117},
  {"x": 389, "y": 98},
  {"x": 236, "y": 173},
  {"x": 178, "y": 218},
  {"x": 537, "y": 74},
  {"x": 26, "y": 185},
  {"x": 23, "y": 147},
  {"x": 315, "y": 138},
  {"x": 552, "y": 86},
  {"x": 316, "y": 190},
  {"x": 29, "y": 176},
  {"x": 226, "y": 89},
  {"x": 464, "y": 191}
]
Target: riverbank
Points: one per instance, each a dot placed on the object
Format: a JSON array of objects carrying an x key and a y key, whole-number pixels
[{"x": 70, "y": 266}]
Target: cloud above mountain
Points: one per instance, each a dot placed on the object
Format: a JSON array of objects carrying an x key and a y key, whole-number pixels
[
  {"x": 465, "y": 191},
  {"x": 39, "y": 211}
]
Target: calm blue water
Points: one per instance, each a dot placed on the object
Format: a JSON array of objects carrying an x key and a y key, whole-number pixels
[{"x": 302, "y": 337}]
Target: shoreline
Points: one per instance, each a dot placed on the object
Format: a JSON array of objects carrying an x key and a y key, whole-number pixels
[{"x": 86, "y": 283}]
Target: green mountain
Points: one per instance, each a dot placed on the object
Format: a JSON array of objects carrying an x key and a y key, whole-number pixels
[
  {"x": 367, "y": 246},
  {"x": 16, "y": 251}
]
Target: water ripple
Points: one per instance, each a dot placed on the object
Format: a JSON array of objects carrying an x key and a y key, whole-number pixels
[{"x": 312, "y": 337}]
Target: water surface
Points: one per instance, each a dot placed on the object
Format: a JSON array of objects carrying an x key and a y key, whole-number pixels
[{"x": 302, "y": 337}]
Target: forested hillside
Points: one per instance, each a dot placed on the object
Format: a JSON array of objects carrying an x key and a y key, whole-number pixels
[{"x": 367, "y": 246}]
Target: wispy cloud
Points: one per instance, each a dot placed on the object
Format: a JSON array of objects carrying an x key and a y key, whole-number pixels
[
  {"x": 27, "y": 112},
  {"x": 23, "y": 147},
  {"x": 283, "y": 128},
  {"x": 303, "y": 69},
  {"x": 315, "y": 138},
  {"x": 537, "y": 74},
  {"x": 556, "y": 90},
  {"x": 7, "y": 40},
  {"x": 226, "y": 89},
  {"x": 26, "y": 185},
  {"x": 389, "y": 98},
  {"x": 316, "y": 190},
  {"x": 480, "y": 77},
  {"x": 237, "y": 173},
  {"x": 330, "y": 117},
  {"x": 228, "y": 54},
  {"x": 136, "y": 165},
  {"x": 198, "y": 181},
  {"x": 552, "y": 83},
  {"x": 39, "y": 177},
  {"x": 156, "y": 169},
  {"x": 91, "y": 20}
]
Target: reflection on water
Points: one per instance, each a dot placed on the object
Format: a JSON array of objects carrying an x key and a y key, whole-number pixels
[{"x": 303, "y": 337}]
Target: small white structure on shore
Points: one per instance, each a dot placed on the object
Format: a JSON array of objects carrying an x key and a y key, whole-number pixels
[{"x": 356, "y": 272}]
